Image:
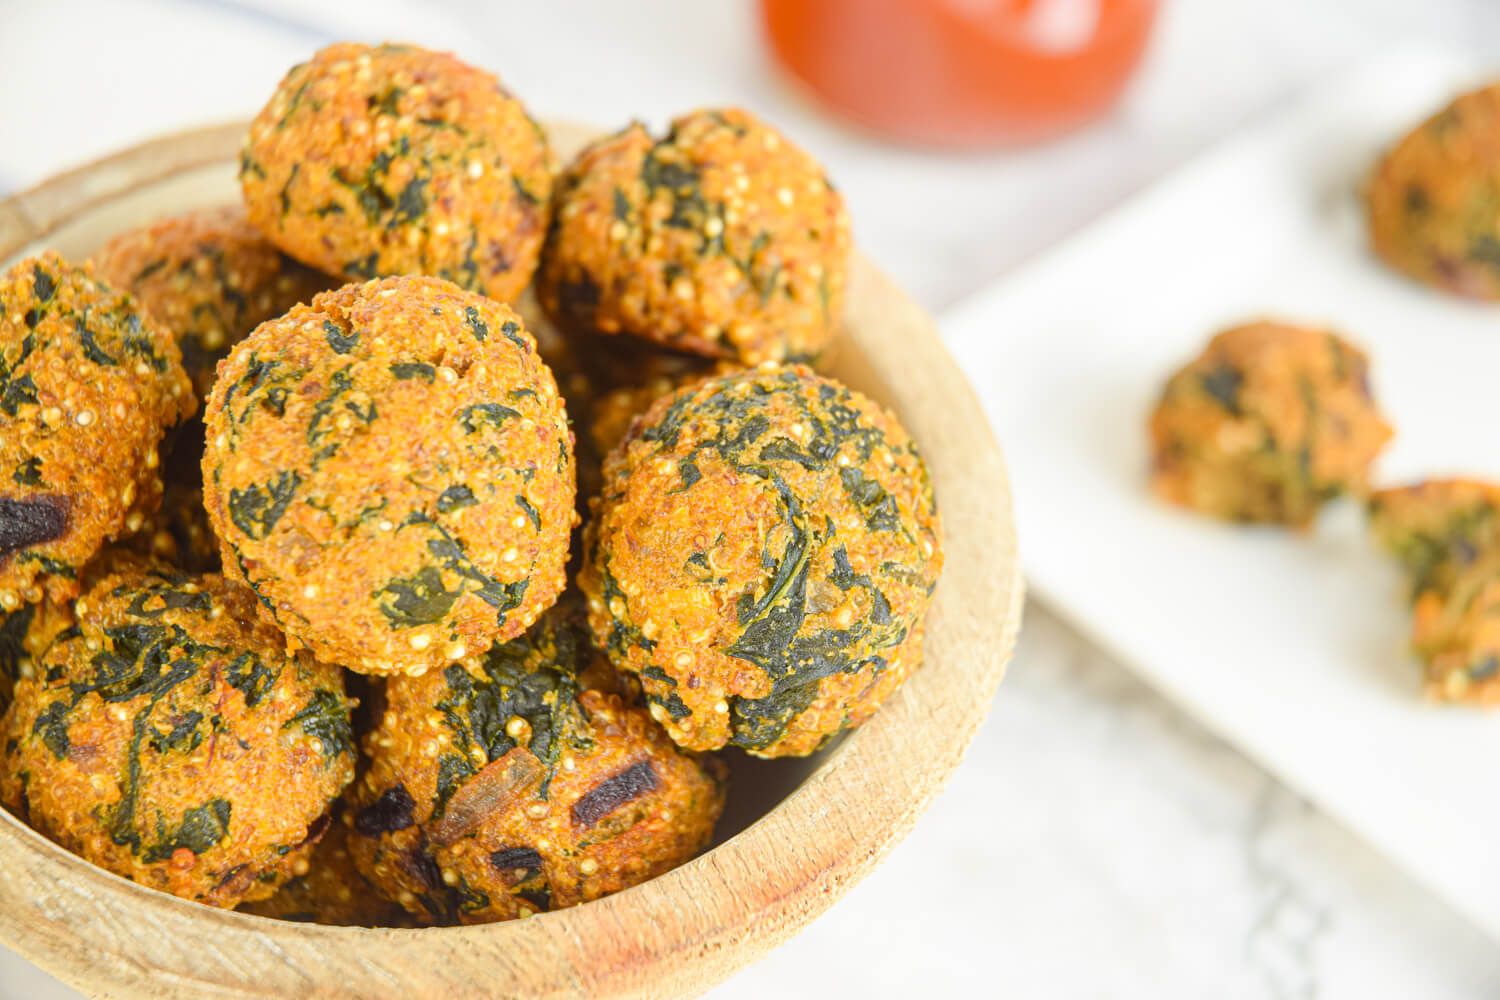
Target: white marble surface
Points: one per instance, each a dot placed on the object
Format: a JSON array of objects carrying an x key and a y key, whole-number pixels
[{"x": 1096, "y": 842}]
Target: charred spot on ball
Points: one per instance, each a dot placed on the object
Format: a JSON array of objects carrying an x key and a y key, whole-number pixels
[{"x": 31, "y": 521}]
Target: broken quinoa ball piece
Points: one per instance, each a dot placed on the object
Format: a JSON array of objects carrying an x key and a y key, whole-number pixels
[
  {"x": 210, "y": 278},
  {"x": 524, "y": 781},
  {"x": 1456, "y": 633},
  {"x": 145, "y": 741},
  {"x": 390, "y": 469},
  {"x": 392, "y": 159},
  {"x": 1433, "y": 201},
  {"x": 1446, "y": 535},
  {"x": 720, "y": 238},
  {"x": 88, "y": 386},
  {"x": 1267, "y": 424},
  {"x": 762, "y": 557},
  {"x": 1437, "y": 528}
]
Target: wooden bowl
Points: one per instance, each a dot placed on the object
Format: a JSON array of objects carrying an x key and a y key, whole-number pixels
[{"x": 798, "y": 835}]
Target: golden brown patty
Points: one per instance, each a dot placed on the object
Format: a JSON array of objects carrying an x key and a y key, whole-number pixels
[
  {"x": 168, "y": 739},
  {"x": 391, "y": 470},
  {"x": 395, "y": 160},
  {"x": 1434, "y": 199},
  {"x": 720, "y": 238},
  {"x": 1270, "y": 421},
  {"x": 88, "y": 385},
  {"x": 762, "y": 556},
  {"x": 524, "y": 781},
  {"x": 210, "y": 278}
]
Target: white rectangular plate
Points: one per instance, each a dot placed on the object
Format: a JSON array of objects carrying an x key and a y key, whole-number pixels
[{"x": 1293, "y": 647}]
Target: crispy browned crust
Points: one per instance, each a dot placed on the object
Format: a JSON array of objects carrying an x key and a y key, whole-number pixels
[
  {"x": 762, "y": 556},
  {"x": 210, "y": 278},
  {"x": 525, "y": 781},
  {"x": 390, "y": 159},
  {"x": 169, "y": 739},
  {"x": 88, "y": 386},
  {"x": 391, "y": 470}
]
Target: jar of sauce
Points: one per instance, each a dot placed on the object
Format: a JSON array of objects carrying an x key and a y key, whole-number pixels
[{"x": 962, "y": 72}]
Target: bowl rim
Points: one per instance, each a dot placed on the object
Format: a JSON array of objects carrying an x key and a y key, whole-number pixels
[{"x": 682, "y": 931}]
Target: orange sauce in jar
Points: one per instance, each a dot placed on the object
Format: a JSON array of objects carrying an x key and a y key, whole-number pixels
[{"x": 962, "y": 72}]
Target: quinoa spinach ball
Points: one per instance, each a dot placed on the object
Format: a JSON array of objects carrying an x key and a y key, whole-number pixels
[
  {"x": 391, "y": 470},
  {"x": 1433, "y": 201},
  {"x": 168, "y": 739},
  {"x": 524, "y": 781},
  {"x": 1267, "y": 424},
  {"x": 392, "y": 159},
  {"x": 762, "y": 557},
  {"x": 721, "y": 238},
  {"x": 88, "y": 386},
  {"x": 210, "y": 278}
]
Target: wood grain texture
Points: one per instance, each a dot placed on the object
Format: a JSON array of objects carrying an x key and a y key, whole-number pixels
[{"x": 673, "y": 936}]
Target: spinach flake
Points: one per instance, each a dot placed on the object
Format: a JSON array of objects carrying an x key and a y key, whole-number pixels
[
  {"x": 340, "y": 340},
  {"x": 256, "y": 509},
  {"x": 52, "y": 726},
  {"x": 456, "y": 498},
  {"x": 91, "y": 348},
  {"x": 472, "y": 418},
  {"x": 326, "y": 718},
  {"x": 1223, "y": 384},
  {"x": 532, "y": 514},
  {"x": 184, "y": 736},
  {"x": 28, "y": 472},
  {"x": 477, "y": 325},
  {"x": 201, "y": 830},
  {"x": 408, "y": 370},
  {"x": 248, "y": 674}
]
